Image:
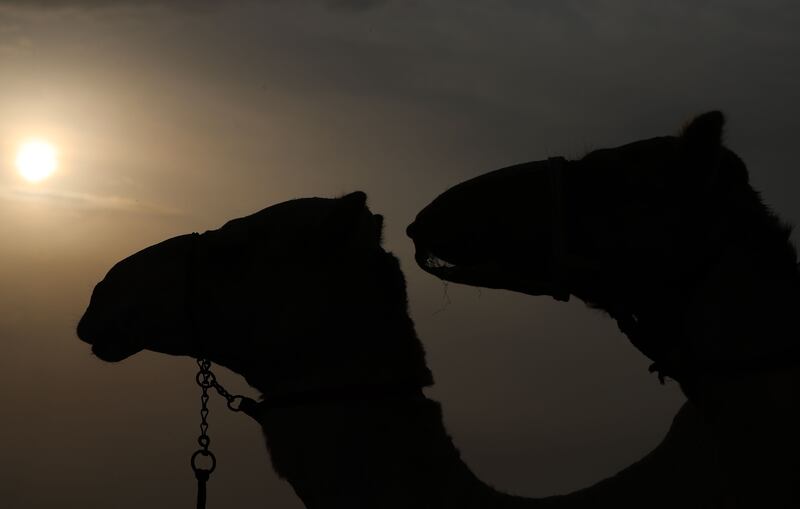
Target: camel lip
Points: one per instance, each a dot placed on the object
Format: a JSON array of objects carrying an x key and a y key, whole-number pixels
[
  {"x": 485, "y": 274},
  {"x": 444, "y": 268},
  {"x": 85, "y": 331},
  {"x": 114, "y": 351},
  {"x": 444, "y": 254},
  {"x": 106, "y": 345},
  {"x": 428, "y": 260}
]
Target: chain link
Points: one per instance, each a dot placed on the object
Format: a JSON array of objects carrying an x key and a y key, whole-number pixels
[{"x": 206, "y": 379}]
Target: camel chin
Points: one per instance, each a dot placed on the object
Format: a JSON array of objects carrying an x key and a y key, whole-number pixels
[
  {"x": 486, "y": 274},
  {"x": 114, "y": 352},
  {"x": 492, "y": 274},
  {"x": 108, "y": 346}
]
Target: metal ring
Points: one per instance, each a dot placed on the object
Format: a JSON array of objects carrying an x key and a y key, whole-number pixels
[
  {"x": 204, "y": 453},
  {"x": 206, "y": 383},
  {"x": 231, "y": 401}
]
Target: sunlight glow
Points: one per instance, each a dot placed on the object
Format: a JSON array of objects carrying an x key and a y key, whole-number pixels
[{"x": 36, "y": 160}]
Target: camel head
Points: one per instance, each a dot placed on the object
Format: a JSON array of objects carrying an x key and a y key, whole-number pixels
[
  {"x": 297, "y": 297},
  {"x": 628, "y": 217},
  {"x": 632, "y": 229},
  {"x": 636, "y": 212}
]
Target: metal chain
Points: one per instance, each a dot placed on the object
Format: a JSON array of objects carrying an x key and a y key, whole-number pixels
[{"x": 206, "y": 379}]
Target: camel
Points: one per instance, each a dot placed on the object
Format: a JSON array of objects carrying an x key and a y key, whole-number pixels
[
  {"x": 303, "y": 302},
  {"x": 668, "y": 237}
]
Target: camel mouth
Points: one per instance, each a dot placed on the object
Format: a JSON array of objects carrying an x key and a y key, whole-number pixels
[
  {"x": 449, "y": 268},
  {"x": 451, "y": 254},
  {"x": 108, "y": 346},
  {"x": 114, "y": 351},
  {"x": 428, "y": 260},
  {"x": 485, "y": 272}
]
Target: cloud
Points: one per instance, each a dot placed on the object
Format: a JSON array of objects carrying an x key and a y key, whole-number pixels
[{"x": 86, "y": 201}]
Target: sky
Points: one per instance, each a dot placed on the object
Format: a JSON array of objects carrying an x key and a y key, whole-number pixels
[{"x": 175, "y": 116}]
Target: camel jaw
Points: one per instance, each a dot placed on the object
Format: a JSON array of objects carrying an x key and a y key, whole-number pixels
[
  {"x": 108, "y": 346},
  {"x": 494, "y": 231},
  {"x": 491, "y": 274},
  {"x": 114, "y": 352},
  {"x": 486, "y": 274}
]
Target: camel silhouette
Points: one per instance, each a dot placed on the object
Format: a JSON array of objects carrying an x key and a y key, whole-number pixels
[
  {"x": 302, "y": 300},
  {"x": 669, "y": 238}
]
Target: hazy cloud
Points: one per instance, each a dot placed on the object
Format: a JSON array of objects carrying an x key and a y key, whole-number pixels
[
  {"x": 86, "y": 201},
  {"x": 272, "y": 99}
]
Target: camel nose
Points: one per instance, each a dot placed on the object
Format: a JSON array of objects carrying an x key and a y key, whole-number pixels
[
  {"x": 85, "y": 331},
  {"x": 411, "y": 231}
]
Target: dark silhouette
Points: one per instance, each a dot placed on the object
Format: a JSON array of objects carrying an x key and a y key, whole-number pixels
[
  {"x": 668, "y": 237},
  {"x": 302, "y": 301}
]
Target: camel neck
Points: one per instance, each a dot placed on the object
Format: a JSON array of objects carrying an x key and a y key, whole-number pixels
[
  {"x": 375, "y": 454},
  {"x": 745, "y": 312},
  {"x": 397, "y": 454}
]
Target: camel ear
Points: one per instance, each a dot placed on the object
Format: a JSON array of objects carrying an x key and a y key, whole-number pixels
[
  {"x": 702, "y": 138},
  {"x": 702, "y": 141},
  {"x": 356, "y": 200}
]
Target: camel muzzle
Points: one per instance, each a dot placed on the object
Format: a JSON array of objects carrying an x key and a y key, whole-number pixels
[{"x": 504, "y": 229}]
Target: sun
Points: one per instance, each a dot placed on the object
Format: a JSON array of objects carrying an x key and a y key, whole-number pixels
[{"x": 36, "y": 160}]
